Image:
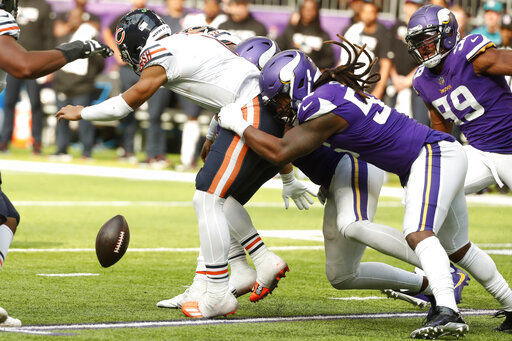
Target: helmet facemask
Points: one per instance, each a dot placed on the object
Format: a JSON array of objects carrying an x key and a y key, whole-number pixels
[{"x": 426, "y": 46}]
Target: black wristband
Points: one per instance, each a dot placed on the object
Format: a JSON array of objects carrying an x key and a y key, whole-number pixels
[{"x": 72, "y": 51}]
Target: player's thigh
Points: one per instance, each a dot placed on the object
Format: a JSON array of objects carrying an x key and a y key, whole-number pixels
[
  {"x": 355, "y": 187},
  {"x": 264, "y": 171},
  {"x": 503, "y": 163},
  {"x": 454, "y": 233},
  {"x": 479, "y": 175},
  {"x": 342, "y": 256},
  {"x": 230, "y": 163},
  {"x": 436, "y": 177},
  {"x": 7, "y": 209}
]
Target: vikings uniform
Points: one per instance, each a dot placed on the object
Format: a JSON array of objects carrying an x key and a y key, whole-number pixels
[
  {"x": 8, "y": 26},
  {"x": 430, "y": 164},
  {"x": 480, "y": 105},
  {"x": 206, "y": 71}
]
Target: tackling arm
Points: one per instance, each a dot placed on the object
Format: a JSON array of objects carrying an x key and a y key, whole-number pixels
[
  {"x": 298, "y": 141},
  {"x": 494, "y": 62},
  {"x": 437, "y": 121}
]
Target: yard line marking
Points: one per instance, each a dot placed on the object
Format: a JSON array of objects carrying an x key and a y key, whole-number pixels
[
  {"x": 75, "y": 274},
  {"x": 158, "y": 203},
  {"x": 33, "y": 332},
  {"x": 162, "y": 249},
  {"x": 358, "y": 298},
  {"x": 196, "y": 322},
  {"x": 167, "y": 175}
]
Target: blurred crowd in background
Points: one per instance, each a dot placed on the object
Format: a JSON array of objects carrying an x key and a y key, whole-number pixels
[{"x": 169, "y": 123}]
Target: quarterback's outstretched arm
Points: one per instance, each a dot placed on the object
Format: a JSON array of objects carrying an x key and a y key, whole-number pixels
[
  {"x": 115, "y": 108},
  {"x": 20, "y": 63},
  {"x": 296, "y": 142}
]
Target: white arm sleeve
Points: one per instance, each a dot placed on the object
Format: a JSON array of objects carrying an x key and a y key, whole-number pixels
[{"x": 112, "y": 109}]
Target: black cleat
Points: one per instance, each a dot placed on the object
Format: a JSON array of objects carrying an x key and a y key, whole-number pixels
[
  {"x": 505, "y": 326},
  {"x": 442, "y": 321}
]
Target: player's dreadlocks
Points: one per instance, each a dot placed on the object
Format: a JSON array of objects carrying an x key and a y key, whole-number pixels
[{"x": 346, "y": 74}]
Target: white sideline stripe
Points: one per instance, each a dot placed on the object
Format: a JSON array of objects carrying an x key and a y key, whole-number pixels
[
  {"x": 167, "y": 175},
  {"x": 196, "y": 322},
  {"x": 159, "y": 203},
  {"x": 161, "y": 249},
  {"x": 76, "y": 274},
  {"x": 358, "y": 298}
]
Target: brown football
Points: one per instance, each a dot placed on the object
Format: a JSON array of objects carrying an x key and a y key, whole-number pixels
[{"x": 112, "y": 241}]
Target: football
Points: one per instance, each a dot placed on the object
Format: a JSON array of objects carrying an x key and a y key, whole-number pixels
[{"x": 112, "y": 241}]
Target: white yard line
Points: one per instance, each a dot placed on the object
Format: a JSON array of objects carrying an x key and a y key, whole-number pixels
[
  {"x": 167, "y": 175},
  {"x": 74, "y": 274},
  {"x": 358, "y": 298}
]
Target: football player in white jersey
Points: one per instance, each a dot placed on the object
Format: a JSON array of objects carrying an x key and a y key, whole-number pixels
[
  {"x": 20, "y": 63},
  {"x": 206, "y": 71}
]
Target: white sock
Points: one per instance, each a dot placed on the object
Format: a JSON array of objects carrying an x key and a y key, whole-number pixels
[
  {"x": 481, "y": 266},
  {"x": 189, "y": 138},
  {"x": 372, "y": 275},
  {"x": 6, "y": 236},
  {"x": 382, "y": 238},
  {"x": 435, "y": 263},
  {"x": 200, "y": 268},
  {"x": 243, "y": 231}
]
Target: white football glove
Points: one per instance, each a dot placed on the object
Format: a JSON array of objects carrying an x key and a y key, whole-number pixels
[
  {"x": 231, "y": 118},
  {"x": 293, "y": 188}
]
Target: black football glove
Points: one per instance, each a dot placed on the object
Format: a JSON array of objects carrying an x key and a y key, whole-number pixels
[{"x": 84, "y": 49}]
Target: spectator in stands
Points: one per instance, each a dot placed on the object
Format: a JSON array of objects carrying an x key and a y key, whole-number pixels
[
  {"x": 355, "y": 6},
  {"x": 491, "y": 29},
  {"x": 74, "y": 83},
  {"x": 441, "y": 3},
  {"x": 462, "y": 19},
  {"x": 128, "y": 124},
  {"x": 308, "y": 36},
  {"x": 403, "y": 97},
  {"x": 35, "y": 18},
  {"x": 377, "y": 38},
  {"x": 211, "y": 16},
  {"x": 241, "y": 23}
]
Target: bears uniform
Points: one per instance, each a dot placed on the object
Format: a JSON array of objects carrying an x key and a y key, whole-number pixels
[{"x": 480, "y": 105}]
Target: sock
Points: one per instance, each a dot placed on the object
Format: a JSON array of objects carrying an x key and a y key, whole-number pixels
[
  {"x": 435, "y": 263},
  {"x": 372, "y": 275},
  {"x": 481, "y": 266},
  {"x": 6, "y": 236},
  {"x": 218, "y": 279},
  {"x": 382, "y": 238},
  {"x": 200, "y": 269},
  {"x": 236, "y": 253},
  {"x": 189, "y": 139},
  {"x": 243, "y": 231}
]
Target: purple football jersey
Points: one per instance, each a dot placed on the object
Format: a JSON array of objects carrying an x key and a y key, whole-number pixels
[
  {"x": 320, "y": 165},
  {"x": 376, "y": 133},
  {"x": 481, "y": 105}
]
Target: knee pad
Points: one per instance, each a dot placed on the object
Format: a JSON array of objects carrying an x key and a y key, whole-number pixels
[{"x": 337, "y": 278}]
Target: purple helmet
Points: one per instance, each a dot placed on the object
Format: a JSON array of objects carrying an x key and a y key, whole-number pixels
[
  {"x": 289, "y": 72},
  {"x": 257, "y": 50},
  {"x": 432, "y": 33}
]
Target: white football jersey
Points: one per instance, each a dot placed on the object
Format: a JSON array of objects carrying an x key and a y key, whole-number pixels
[
  {"x": 203, "y": 70},
  {"x": 8, "y": 26}
]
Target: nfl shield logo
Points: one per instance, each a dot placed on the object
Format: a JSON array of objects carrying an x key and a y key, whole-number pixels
[{"x": 441, "y": 80}]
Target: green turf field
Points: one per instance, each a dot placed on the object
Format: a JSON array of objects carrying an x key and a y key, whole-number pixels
[{"x": 53, "y": 218}]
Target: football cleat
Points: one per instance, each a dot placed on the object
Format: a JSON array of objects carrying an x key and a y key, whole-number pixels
[
  {"x": 505, "y": 326},
  {"x": 398, "y": 295},
  {"x": 442, "y": 322},
  {"x": 193, "y": 293},
  {"x": 208, "y": 307},
  {"x": 460, "y": 280},
  {"x": 241, "y": 280},
  {"x": 270, "y": 271},
  {"x": 7, "y": 321}
]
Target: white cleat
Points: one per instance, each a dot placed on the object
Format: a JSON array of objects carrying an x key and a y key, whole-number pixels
[
  {"x": 7, "y": 321},
  {"x": 209, "y": 307},
  {"x": 193, "y": 293},
  {"x": 241, "y": 280},
  {"x": 397, "y": 295},
  {"x": 270, "y": 270}
]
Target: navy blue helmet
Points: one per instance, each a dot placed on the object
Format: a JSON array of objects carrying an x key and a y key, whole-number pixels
[
  {"x": 134, "y": 30},
  {"x": 10, "y": 6}
]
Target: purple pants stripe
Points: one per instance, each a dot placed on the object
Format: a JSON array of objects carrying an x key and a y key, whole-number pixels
[
  {"x": 431, "y": 187},
  {"x": 359, "y": 188}
]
